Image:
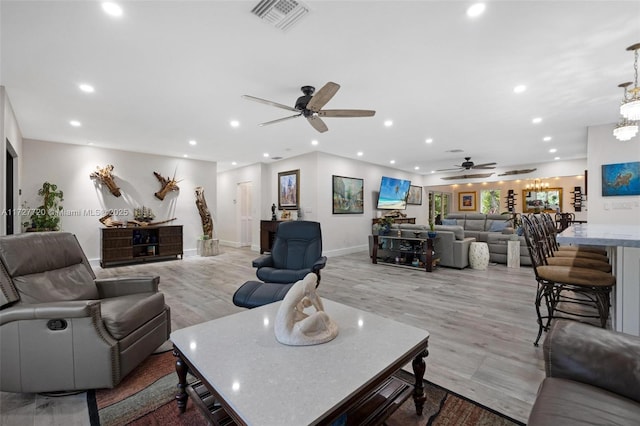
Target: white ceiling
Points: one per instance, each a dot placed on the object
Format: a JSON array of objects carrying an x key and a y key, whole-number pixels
[{"x": 170, "y": 71}]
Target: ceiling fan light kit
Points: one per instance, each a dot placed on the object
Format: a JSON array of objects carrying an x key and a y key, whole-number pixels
[
  {"x": 310, "y": 106},
  {"x": 627, "y": 128}
]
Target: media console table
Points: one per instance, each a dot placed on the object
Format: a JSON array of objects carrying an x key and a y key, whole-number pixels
[
  {"x": 246, "y": 377},
  {"x": 140, "y": 244},
  {"x": 404, "y": 251}
]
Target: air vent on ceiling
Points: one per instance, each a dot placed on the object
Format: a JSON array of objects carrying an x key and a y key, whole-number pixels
[{"x": 282, "y": 14}]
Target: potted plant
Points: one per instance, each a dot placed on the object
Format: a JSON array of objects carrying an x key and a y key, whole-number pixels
[
  {"x": 516, "y": 223},
  {"x": 47, "y": 216},
  {"x": 385, "y": 224},
  {"x": 432, "y": 230}
]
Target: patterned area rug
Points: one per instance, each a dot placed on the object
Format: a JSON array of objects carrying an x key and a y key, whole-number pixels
[{"x": 146, "y": 397}]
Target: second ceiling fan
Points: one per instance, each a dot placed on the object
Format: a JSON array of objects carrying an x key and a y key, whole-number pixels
[
  {"x": 467, "y": 164},
  {"x": 310, "y": 106}
]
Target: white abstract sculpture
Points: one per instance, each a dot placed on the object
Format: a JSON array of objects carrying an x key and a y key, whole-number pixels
[{"x": 296, "y": 328}]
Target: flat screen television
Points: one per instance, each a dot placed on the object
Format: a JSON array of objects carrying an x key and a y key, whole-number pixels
[{"x": 393, "y": 193}]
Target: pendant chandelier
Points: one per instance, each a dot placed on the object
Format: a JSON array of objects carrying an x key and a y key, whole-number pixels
[
  {"x": 630, "y": 108},
  {"x": 626, "y": 129},
  {"x": 537, "y": 185}
]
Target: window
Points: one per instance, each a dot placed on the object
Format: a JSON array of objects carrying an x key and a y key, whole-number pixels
[
  {"x": 490, "y": 203},
  {"x": 439, "y": 203}
]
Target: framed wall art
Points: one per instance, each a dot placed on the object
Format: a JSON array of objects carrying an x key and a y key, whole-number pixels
[
  {"x": 467, "y": 201},
  {"x": 620, "y": 179},
  {"x": 289, "y": 190},
  {"x": 348, "y": 195},
  {"x": 415, "y": 195}
]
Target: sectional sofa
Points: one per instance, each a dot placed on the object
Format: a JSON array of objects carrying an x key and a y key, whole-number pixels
[{"x": 493, "y": 229}]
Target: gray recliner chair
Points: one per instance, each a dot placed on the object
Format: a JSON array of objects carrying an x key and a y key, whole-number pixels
[
  {"x": 61, "y": 329},
  {"x": 296, "y": 251}
]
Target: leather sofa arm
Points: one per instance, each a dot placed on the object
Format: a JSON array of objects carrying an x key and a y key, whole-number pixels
[
  {"x": 263, "y": 261},
  {"x": 595, "y": 356},
  {"x": 50, "y": 310},
  {"x": 319, "y": 264},
  {"x": 121, "y": 286}
]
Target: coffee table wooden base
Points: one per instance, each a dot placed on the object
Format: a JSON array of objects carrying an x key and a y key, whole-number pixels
[{"x": 371, "y": 409}]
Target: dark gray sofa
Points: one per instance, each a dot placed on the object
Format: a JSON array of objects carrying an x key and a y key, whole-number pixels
[{"x": 593, "y": 377}]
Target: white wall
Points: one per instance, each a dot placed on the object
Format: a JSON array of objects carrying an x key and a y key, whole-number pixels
[
  {"x": 69, "y": 167},
  {"x": 9, "y": 130},
  {"x": 604, "y": 148},
  {"x": 341, "y": 233}
]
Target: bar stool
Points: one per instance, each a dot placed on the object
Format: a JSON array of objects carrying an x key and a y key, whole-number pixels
[{"x": 562, "y": 287}]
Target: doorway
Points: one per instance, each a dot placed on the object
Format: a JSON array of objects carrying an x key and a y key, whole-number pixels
[
  {"x": 10, "y": 208},
  {"x": 244, "y": 212}
]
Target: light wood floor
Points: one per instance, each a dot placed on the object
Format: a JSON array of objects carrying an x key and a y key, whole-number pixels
[{"x": 482, "y": 323}]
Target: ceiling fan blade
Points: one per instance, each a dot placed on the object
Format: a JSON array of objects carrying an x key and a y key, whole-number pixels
[
  {"x": 477, "y": 175},
  {"x": 346, "y": 113},
  {"x": 279, "y": 120},
  {"x": 264, "y": 101},
  {"x": 317, "y": 123},
  {"x": 322, "y": 96},
  {"x": 448, "y": 170},
  {"x": 517, "y": 172},
  {"x": 483, "y": 166}
]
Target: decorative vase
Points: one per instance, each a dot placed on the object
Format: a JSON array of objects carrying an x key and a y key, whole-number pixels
[{"x": 431, "y": 234}]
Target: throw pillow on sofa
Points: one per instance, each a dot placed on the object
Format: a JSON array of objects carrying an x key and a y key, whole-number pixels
[
  {"x": 450, "y": 222},
  {"x": 497, "y": 226}
]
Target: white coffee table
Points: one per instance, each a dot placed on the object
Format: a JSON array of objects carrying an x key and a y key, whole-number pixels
[{"x": 258, "y": 381}]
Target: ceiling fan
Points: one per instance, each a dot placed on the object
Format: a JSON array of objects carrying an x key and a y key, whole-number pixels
[
  {"x": 517, "y": 172},
  {"x": 467, "y": 164},
  {"x": 476, "y": 175},
  {"x": 310, "y": 106}
]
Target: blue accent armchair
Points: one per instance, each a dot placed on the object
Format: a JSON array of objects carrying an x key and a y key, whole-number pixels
[{"x": 296, "y": 251}]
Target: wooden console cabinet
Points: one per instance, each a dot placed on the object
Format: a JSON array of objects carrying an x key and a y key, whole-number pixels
[
  {"x": 140, "y": 244},
  {"x": 403, "y": 251},
  {"x": 267, "y": 234}
]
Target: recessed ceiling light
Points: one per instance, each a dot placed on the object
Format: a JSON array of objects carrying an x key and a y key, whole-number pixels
[
  {"x": 193, "y": 142},
  {"x": 537, "y": 120},
  {"x": 429, "y": 140},
  {"x": 519, "y": 88},
  {"x": 433, "y": 171},
  {"x": 360, "y": 154},
  {"x": 75, "y": 123},
  {"x": 546, "y": 138},
  {"x": 388, "y": 123},
  {"x": 556, "y": 158},
  {"x": 233, "y": 163},
  {"x": 185, "y": 156},
  {"x": 266, "y": 154},
  {"x": 392, "y": 161},
  {"x": 234, "y": 123},
  {"x": 111, "y": 8},
  {"x": 87, "y": 88},
  {"x": 89, "y": 143},
  {"x": 552, "y": 150},
  {"x": 476, "y": 10},
  {"x": 416, "y": 168},
  {"x": 314, "y": 142}
]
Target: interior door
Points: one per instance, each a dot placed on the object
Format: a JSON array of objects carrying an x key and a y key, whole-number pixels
[
  {"x": 244, "y": 212},
  {"x": 10, "y": 208}
]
